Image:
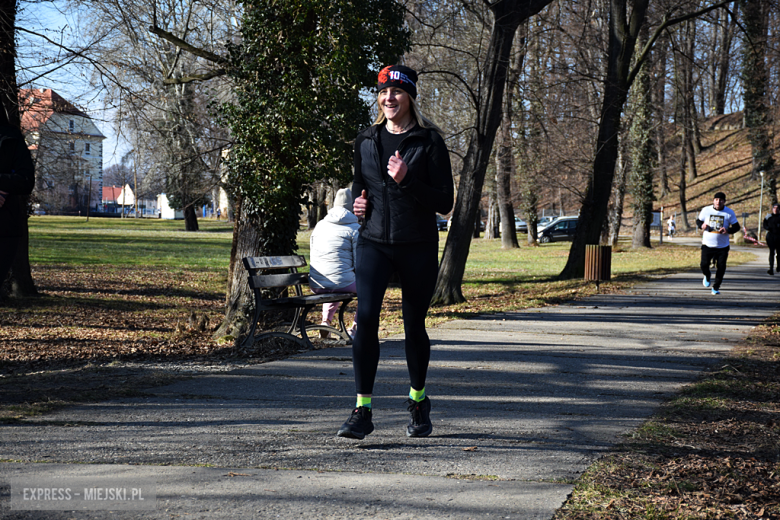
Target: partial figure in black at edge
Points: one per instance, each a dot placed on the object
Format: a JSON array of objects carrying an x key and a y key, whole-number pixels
[
  {"x": 771, "y": 225},
  {"x": 403, "y": 177},
  {"x": 17, "y": 179}
]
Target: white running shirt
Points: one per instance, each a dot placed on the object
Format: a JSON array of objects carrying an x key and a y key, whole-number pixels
[{"x": 716, "y": 220}]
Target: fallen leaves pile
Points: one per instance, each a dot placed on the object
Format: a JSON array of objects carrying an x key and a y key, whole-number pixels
[{"x": 711, "y": 452}]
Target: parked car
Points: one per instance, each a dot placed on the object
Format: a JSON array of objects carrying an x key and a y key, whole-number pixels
[
  {"x": 481, "y": 224},
  {"x": 559, "y": 230},
  {"x": 442, "y": 223},
  {"x": 521, "y": 226},
  {"x": 544, "y": 221}
]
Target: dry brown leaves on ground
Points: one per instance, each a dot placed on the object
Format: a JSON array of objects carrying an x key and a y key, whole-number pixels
[
  {"x": 711, "y": 452},
  {"x": 72, "y": 343}
]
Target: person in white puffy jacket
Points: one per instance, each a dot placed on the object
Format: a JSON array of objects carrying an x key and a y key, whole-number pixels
[{"x": 332, "y": 257}]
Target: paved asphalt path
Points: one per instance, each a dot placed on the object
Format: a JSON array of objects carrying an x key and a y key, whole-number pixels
[{"x": 523, "y": 403}]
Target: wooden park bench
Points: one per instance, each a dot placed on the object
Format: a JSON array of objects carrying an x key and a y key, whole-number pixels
[{"x": 273, "y": 279}]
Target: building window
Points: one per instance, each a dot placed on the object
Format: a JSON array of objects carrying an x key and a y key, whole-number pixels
[
  {"x": 72, "y": 147},
  {"x": 71, "y": 126},
  {"x": 87, "y": 149}
]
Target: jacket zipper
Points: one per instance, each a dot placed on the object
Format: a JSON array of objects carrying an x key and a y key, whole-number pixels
[{"x": 385, "y": 177}]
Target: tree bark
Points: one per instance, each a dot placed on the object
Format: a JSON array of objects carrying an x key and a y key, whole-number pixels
[
  {"x": 20, "y": 277},
  {"x": 239, "y": 300},
  {"x": 683, "y": 187},
  {"x": 618, "y": 200},
  {"x": 190, "y": 218},
  {"x": 754, "y": 82},
  {"x": 659, "y": 102},
  {"x": 507, "y": 16},
  {"x": 720, "y": 84},
  {"x": 642, "y": 154},
  {"x": 505, "y": 163},
  {"x": 493, "y": 223}
]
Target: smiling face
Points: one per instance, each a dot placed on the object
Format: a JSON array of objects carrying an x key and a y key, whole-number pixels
[
  {"x": 394, "y": 103},
  {"x": 718, "y": 204}
]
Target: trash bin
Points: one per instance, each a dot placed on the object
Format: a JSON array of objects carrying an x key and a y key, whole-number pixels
[{"x": 598, "y": 263}]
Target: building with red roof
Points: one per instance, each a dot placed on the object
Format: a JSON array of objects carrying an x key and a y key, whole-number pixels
[{"x": 67, "y": 148}]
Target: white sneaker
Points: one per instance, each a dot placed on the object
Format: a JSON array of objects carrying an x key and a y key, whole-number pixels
[
  {"x": 352, "y": 331},
  {"x": 705, "y": 282}
]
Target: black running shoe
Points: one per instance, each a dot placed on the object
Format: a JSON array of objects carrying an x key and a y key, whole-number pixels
[
  {"x": 358, "y": 425},
  {"x": 420, "y": 421}
]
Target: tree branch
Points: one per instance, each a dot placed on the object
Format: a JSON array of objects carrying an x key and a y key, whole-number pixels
[
  {"x": 165, "y": 35},
  {"x": 195, "y": 77},
  {"x": 665, "y": 24}
]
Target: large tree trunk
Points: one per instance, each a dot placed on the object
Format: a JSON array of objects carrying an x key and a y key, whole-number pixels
[
  {"x": 618, "y": 199},
  {"x": 493, "y": 222},
  {"x": 21, "y": 276},
  {"x": 659, "y": 102},
  {"x": 505, "y": 163},
  {"x": 239, "y": 300},
  {"x": 642, "y": 154},
  {"x": 755, "y": 79},
  {"x": 507, "y": 16},
  {"x": 683, "y": 196},
  {"x": 622, "y": 40},
  {"x": 190, "y": 218},
  {"x": 726, "y": 28}
]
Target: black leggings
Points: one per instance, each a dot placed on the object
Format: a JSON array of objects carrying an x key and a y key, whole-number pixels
[
  {"x": 721, "y": 255},
  {"x": 417, "y": 266}
]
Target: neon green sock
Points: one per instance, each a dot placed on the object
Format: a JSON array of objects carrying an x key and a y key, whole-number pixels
[
  {"x": 417, "y": 395},
  {"x": 363, "y": 401}
]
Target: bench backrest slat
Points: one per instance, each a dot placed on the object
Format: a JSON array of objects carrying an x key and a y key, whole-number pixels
[
  {"x": 253, "y": 263},
  {"x": 262, "y": 281}
]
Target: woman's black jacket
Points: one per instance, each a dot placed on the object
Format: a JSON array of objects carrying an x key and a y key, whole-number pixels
[{"x": 404, "y": 213}]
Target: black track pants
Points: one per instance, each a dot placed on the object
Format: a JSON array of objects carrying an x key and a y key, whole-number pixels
[
  {"x": 721, "y": 255},
  {"x": 417, "y": 267}
]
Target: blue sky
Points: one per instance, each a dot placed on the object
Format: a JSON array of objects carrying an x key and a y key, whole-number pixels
[{"x": 38, "y": 57}]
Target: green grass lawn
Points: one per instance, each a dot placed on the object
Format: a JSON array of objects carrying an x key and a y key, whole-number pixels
[
  {"x": 129, "y": 242},
  {"x": 164, "y": 243}
]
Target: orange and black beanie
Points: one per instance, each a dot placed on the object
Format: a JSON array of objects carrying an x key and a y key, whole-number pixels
[{"x": 398, "y": 76}]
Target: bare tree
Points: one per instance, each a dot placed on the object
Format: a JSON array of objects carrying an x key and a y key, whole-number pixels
[
  {"x": 167, "y": 120},
  {"x": 507, "y": 15},
  {"x": 625, "y": 25}
]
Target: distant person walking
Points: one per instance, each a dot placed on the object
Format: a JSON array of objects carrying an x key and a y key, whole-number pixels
[
  {"x": 17, "y": 180},
  {"x": 771, "y": 225},
  {"x": 333, "y": 246},
  {"x": 671, "y": 227},
  {"x": 716, "y": 222},
  {"x": 402, "y": 179}
]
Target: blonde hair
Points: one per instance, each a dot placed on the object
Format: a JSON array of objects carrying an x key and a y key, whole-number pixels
[{"x": 423, "y": 121}]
